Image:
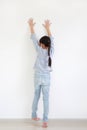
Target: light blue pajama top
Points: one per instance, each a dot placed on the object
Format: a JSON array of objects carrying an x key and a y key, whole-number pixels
[{"x": 41, "y": 63}]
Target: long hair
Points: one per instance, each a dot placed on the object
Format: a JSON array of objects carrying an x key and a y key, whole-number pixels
[{"x": 47, "y": 42}]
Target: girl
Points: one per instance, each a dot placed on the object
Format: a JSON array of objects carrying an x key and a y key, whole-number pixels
[{"x": 45, "y": 49}]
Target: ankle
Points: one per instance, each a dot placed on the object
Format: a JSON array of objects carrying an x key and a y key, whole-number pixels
[
  {"x": 45, "y": 124},
  {"x": 36, "y": 118}
]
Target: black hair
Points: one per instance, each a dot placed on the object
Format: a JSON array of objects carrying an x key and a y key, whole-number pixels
[{"x": 47, "y": 42}]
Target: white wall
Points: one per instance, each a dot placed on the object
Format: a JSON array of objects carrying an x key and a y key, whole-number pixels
[{"x": 68, "y": 93}]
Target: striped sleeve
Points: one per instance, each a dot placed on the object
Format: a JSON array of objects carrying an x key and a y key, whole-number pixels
[
  {"x": 52, "y": 46},
  {"x": 35, "y": 41}
]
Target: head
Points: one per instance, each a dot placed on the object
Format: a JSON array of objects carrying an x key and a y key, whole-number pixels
[{"x": 45, "y": 43}]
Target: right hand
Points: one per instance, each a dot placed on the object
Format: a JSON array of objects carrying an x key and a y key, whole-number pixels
[{"x": 47, "y": 24}]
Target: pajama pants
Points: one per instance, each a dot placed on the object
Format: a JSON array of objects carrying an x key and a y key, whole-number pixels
[{"x": 41, "y": 83}]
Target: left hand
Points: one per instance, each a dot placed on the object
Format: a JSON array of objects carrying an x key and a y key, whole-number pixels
[{"x": 31, "y": 22}]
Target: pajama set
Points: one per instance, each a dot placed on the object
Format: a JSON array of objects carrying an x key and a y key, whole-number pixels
[{"x": 41, "y": 77}]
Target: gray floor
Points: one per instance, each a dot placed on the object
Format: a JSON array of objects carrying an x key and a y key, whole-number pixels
[{"x": 53, "y": 125}]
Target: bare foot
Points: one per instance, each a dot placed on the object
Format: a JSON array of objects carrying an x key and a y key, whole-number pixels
[
  {"x": 45, "y": 125},
  {"x": 36, "y": 119}
]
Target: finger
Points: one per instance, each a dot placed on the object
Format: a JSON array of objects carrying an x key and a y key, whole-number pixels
[
  {"x": 45, "y": 21},
  {"x": 31, "y": 18}
]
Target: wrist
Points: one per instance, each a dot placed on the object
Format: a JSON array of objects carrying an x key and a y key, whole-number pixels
[
  {"x": 31, "y": 27},
  {"x": 47, "y": 27}
]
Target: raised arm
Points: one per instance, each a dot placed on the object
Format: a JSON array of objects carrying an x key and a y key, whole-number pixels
[
  {"x": 33, "y": 35},
  {"x": 47, "y": 27},
  {"x": 31, "y": 25}
]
